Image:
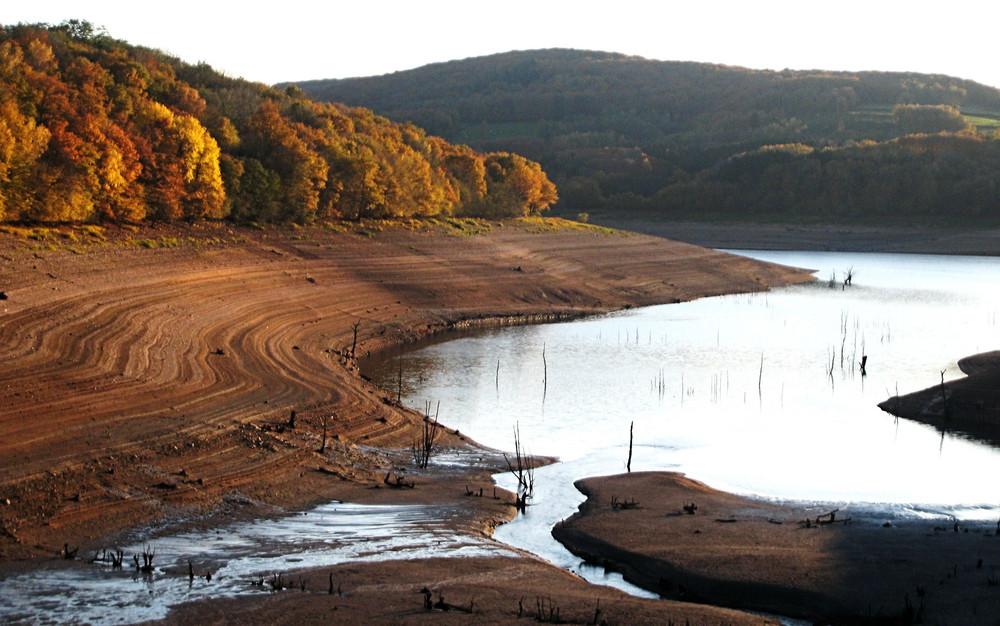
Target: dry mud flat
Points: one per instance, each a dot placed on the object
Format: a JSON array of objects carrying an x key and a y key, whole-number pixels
[
  {"x": 149, "y": 375},
  {"x": 790, "y": 560}
]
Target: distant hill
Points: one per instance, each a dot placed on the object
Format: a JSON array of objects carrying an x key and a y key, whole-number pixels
[
  {"x": 621, "y": 134},
  {"x": 95, "y": 129}
]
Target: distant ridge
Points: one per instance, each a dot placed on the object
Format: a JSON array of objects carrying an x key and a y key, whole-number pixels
[{"x": 666, "y": 139}]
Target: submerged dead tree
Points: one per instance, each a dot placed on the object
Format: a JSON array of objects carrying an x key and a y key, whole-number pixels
[
  {"x": 545, "y": 375},
  {"x": 523, "y": 469},
  {"x": 628, "y": 464},
  {"x": 424, "y": 446}
]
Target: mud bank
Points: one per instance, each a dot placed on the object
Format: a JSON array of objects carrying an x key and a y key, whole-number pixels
[
  {"x": 969, "y": 405},
  {"x": 830, "y": 563}
]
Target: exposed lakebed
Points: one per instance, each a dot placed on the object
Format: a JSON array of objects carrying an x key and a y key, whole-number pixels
[{"x": 756, "y": 394}]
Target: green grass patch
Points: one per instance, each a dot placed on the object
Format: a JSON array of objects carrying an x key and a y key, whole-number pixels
[
  {"x": 332, "y": 227},
  {"x": 555, "y": 224},
  {"x": 982, "y": 122},
  {"x": 468, "y": 225},
  {"x": 41, "y": 234},
  {"x": 93, "y": 231},
  {"x": 162, "y": 242}
]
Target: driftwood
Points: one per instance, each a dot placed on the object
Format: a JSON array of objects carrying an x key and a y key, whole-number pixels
[
  {"x": 825, "y": 520},
  {"x": 623, "y": 504}
]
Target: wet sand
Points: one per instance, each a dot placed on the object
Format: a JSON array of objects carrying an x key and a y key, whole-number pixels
[
  {"x": 754, "y": 554},
  {"x": 148, "y": 374}
]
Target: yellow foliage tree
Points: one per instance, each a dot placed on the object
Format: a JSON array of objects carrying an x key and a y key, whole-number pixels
[{"x": 22, "y": 142}]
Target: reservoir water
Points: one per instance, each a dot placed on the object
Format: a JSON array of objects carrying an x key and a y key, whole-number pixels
[{"x": 757, "y": 394}]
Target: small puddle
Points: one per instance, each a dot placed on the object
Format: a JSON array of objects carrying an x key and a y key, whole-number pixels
[{"x": 237, "y": 555}]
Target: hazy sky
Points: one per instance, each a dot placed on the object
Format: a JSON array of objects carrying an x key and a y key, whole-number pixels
[{"x": 294, "y": 40}]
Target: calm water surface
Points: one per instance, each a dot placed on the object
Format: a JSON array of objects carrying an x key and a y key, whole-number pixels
[{"x": 756, "y": 394}]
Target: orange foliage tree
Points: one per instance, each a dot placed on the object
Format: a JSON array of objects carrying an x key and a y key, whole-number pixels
[{"x": 93, "y": 129}]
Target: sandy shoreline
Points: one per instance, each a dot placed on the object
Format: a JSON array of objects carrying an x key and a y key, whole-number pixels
[{"x": 149, "y": 374}]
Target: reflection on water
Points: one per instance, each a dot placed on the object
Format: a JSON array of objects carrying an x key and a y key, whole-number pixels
[
  {"x": 236, "y": 555},
  {"x": 757, "y": 394}
]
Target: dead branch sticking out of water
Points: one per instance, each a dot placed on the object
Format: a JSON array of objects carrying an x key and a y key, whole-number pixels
[
  {"x": 848, "y": 277},
  {"x": 423, "y": 447},
  {"x": 628, "y": 464},
  {"x": 944, "y": 398},
  {"x": 760, "y": 375},
  {"x": 522, "y": 469},
  {"x": 545, "y": 375},
  {"x": 68, "y": 554},
  {"x": 147, "y": 560},
  {"x": 115, "y": 558}
]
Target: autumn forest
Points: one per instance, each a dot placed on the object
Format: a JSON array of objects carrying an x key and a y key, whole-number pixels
[{"x": 94, "y": 129}]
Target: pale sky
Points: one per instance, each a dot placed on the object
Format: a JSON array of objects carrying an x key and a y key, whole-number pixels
[{"x": 294, "y": 40}]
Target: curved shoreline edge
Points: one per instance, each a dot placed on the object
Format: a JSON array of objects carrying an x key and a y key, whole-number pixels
[{"x": 151, "y": 375}]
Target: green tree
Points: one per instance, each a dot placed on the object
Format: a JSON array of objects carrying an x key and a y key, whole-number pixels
[{"x": 926, "y": 119}]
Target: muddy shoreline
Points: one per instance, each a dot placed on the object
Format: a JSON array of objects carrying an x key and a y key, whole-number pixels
[
  {"x": 821, "y": 563},
  {"x": 151, "y": 373}
]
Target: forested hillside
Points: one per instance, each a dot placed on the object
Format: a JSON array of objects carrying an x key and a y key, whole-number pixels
[
  {"x": 92, "y": 128},
  {"x": 621, "y": 134}
]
